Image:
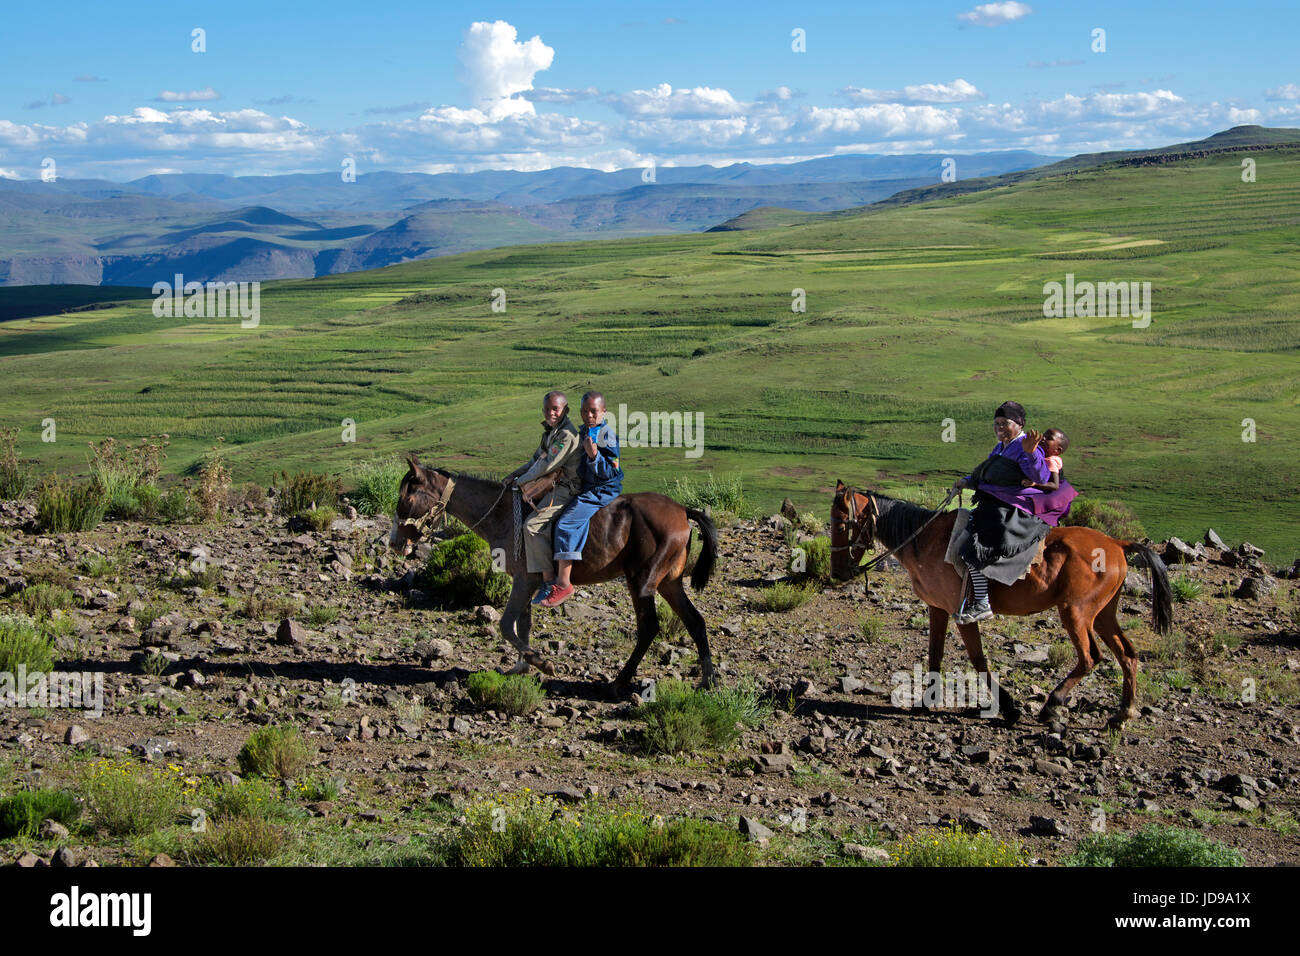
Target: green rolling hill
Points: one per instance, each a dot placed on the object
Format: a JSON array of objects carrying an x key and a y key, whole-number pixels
[{"x": 916, "y": 313}]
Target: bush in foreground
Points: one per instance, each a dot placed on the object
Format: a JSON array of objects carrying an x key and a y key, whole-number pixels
[
  {"x": 63, "y": 505},
  {"x": 459, "y": 573},
  {"x": 1153, "y": 846},
  {"x": 525, "y": 829},
  {"x": 513, "y": 694},
  {"x": 273, "y": 751},
  {"x": 682, "y": 719},
  {"x": 953, "y": 846},
  {"x": 23, "y": 813},
  {"x": 21, "y": 642}
]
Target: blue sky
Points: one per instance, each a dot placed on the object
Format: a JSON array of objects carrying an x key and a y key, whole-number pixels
[{"x": 116, "y": 91}]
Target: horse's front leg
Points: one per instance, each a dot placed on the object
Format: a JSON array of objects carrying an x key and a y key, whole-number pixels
[
  {"x": 938, "y": 637},
  {"x": 970, "y": 636},
  {"x": 516, "y": 622}
]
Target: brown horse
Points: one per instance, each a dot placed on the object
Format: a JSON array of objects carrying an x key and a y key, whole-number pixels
[
  {"x": 1081, "y": 574},
  {"x": 643, "y": 537}
]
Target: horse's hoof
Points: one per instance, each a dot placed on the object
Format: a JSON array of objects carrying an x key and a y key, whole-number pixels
[
  {"x": 1050, "y": 714},
  {"x": 1119, "y": 718},
  {"x": 541, "y": 663},
  {"x": 521, "y": 667},
  {"x": 1011, "y": 715}
]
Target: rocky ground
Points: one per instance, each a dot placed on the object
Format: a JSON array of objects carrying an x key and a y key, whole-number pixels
[{"x": 836, "y": 770}]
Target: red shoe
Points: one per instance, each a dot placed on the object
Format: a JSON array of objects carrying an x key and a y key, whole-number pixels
[{"x": 558, "y": 596}]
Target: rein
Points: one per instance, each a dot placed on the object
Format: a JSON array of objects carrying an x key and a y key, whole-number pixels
[
  {"x": 866, "y": 565},
  {"x": 439, "y": 511}
]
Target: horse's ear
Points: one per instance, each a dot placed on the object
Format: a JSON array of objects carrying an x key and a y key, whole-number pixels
[
  {"x": 839, "y": 487},
  {"x": 414, "y": 461}
]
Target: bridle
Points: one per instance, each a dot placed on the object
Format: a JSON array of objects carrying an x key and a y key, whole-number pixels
[
  {"x": 869, "y": 516},
  {"x": 438, "y": 512}
]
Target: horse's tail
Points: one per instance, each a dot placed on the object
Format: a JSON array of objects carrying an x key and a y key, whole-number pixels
[
  {"x": 708, "y": 558},
  {"x": 1162, "y": 596}
]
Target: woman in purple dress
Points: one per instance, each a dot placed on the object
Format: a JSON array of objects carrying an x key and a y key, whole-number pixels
[{"x": 1007, "y": 518}]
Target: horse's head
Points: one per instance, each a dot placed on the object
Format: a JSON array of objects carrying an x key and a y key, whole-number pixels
[
  {"x": 421, "y": 505},
  {"x": 853, "y": 530}
]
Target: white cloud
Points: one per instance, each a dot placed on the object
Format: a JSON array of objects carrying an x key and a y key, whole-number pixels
[
  {"x": 995, "y": 14},
  {"x": 194, "y": 96},
  {"x": 663, "y": 100},
  {"x": 548, "y": 95},
  {"x": 958, "y": 91},
  {"x": 1288, "y": 91},
  {"x": 494, "y": 66}
]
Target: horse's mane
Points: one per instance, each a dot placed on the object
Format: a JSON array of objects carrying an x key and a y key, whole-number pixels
[
  {"x": 487, "y": 476},
  {"x": 897, "y": 520}
]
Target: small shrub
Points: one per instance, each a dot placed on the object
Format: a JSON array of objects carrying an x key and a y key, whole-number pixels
[
  {"x": 1060, "y": 654},
  {"x": 155, "y": 663},
  {"x": 249, "y": 797},
  {"x": 953, "y": 846},
  {"x": 127, "y": 798},
  {"x": 682, "y": 719},
  {"x": 41, "y": 600},
  {"x": 871, "y": 627},
  {"x": 15, "y": 480},
  {"x": 23, "y": 813},
  {"x": 810, "y": 523},
  {"x": 514, "y": 694},
  {"x": 269, "y": 607},
  {"x": 275, "y": 751},
  {"x": 63, "y": 505},
  {"x": 377, "y": 485},
  {"x": 1109, "y": 517},
  {"x": 319, "y": 519},
  {"x": 783, "y": 596},
  {"x": 714, "y": 494},
  {"x": 1153, "y": 846},
  {"x": 177, "y": 506},
  {"x": 529, "y": 830},
  {"x": 322, "y": 614},
  {"x": 238, "y": 841},
  {"x": 208, "y": 577},
  {"x": 811, "y": 560},
  {"x": 1185, "y": 588},
  {"x": 671, "y": 628},
  {"x": 459, "y": 573},
  {"x": 214, "y": 482},
  {"x": 303, "y": 491},
  {"x": 21, "y": 642}
]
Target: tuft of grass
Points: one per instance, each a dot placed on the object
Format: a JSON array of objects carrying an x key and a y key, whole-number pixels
[
  {"x": 713, "y": 494},
  {"x": 15, "y": 480},
  {"x": 953, "y": 846},
  {"x": 154, "y": 664},
  {"x": 1060, "y": 654},
  {"x": 303, "y": 491},
  {"x": 22, "y": 642},
  {"x": 377, "y": 485},
  {"x": 127, "y": 799},
  {"x": 1109, "y": 517},
  {"x": 238, "y": 841},
  {"x": 871, "y": 627},
  {"x": 525, "y": 829},
  {"x": 459, "y": 573},
  {"x": 682, "y": 719},
  {"x": 319, "y": 519},
  {"x": 1185, "y": 588},
  {"x": 811, "y": 561},
  {"x": 1155, "y": 845},
  {"x": 275, "y": 751},
  {"x": 63, "y": 505},
  {"x": 783, "y": 596},
  {"x": 514, "y": 694},
  {"x": 322, "y": 614},
  {"x": 260, "y": 607},
  {"x": 23, "y": 813},
  {"x": 41, "y": 600}
]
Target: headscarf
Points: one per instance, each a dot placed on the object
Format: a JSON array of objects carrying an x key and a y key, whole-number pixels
[{"x": 1012, "y": 411}]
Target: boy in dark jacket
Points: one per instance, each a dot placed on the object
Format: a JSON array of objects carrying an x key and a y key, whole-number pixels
[{"x": 602, "y": 482}]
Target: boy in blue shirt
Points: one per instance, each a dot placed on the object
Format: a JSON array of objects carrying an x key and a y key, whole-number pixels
[{"x": 602, "y": 482}]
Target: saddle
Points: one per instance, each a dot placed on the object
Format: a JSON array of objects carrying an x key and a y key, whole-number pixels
[{"x": 538, "y": 488}]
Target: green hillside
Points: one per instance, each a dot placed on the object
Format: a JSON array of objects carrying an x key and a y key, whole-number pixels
[{"x": 915, "y": 314}]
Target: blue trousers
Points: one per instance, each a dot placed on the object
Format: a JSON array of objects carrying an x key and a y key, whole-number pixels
[{"x": 571, "y": 525}]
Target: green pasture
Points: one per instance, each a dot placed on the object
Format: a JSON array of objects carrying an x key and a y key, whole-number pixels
[{"x": 915, "y": 314}]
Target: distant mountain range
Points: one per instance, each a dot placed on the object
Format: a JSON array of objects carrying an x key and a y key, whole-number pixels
[{"x": 223, "y": 228}]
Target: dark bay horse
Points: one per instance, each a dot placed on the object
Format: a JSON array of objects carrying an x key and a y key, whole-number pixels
[
  {"x": 1081, "y": 575},
  {"x": 643, "y": 537}
]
